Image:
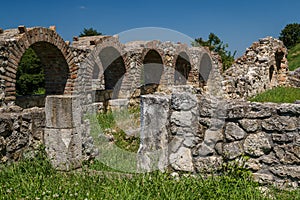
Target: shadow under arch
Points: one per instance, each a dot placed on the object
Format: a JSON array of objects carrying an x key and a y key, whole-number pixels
[
  {"x": 182, "y": 69},
  {"x": 151, "y": 72},
  {"x": 114, "y": 70},
  {"x": 204, "y": 69}
]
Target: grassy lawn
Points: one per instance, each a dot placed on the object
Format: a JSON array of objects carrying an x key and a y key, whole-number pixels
[
  {"x": 278, "y": 95},
  {"x": 294, "y": 57},
  {"x": 36, "y": 179}
]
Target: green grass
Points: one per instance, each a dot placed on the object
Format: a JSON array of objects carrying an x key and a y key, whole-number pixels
[
  {"x": 294, "y": 57},
  {"x": 278, "y": 95},
  {"x": 36, "y": 179},
  {"x": 117, "y": 123}
]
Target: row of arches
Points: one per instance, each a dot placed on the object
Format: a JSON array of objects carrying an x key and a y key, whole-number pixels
[
  {"x": 151, "y": 73},
  {"x": 61, "y": 70}
]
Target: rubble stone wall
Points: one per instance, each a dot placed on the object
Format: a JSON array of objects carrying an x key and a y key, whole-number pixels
[
  {"x": 197, "y": 133},
  {"x": 21, "y": 132},
  {"x": 262, "y": 67}
]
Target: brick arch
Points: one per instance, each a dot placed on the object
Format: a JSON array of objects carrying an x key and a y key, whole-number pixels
[
  {"x": 50, "y": 48},
  {"x": 93, "y": 77}
]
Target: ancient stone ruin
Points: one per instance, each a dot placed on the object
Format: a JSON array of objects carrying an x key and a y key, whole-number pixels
[{"x": 194, "y": 116}]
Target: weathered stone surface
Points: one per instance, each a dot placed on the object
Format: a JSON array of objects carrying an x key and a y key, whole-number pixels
[
  {"x": 154, "y": 133},
  {"x": 264, "y": 177},
  {"x": 284, "y": 137},
  {"x": 16, "y": 141},
  {"x": 176, "y": 143},
  {"x": 61, "y": 109},
  {"x": 182, "y": 160},
  {"x": 183, "y": 101},
  {"x": 6, "y": 125},
  {"x": 269, "y": 159},
  {"x": 212, "y": 137},
  {"x": 286, "y": 171},
  {"x": 263, "y": 66},
  {"x": 257, "y": 144},
  {"x": 280, "y": 123},
  {"x": 205, "y": 150},
  {"x": 233, "y": 150},
  {"x": 208, "y": 164},
  {"x": 63, "y": 149},
  {"x": 233, "y": 132},
  {"x": 182, "y": 119},
  {"x": 2, "y": 145},
  {"x": 250, "y": 125},
  {"x": 288, "y": 154},
  {"x": 253, "y": 164}
]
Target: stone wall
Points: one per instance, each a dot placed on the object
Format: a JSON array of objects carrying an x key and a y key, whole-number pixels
[
  {"x": 21, "y": 132},
  {"x": 294, "y": 78},
  {"x": 263, "y": 66},
  {"x": 198, "y": 133}
]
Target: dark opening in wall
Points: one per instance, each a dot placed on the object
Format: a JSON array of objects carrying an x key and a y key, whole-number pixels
[
  {"x": 42, "y": 71},
  {"x": 205, "y": 69},
  {"x": 114, "y": 69},
  {"x": 151, "y": 72},
  {"x": 182, "y": 69},
  {"x": 271, "y": 73},
  {"x": 278, "y": 57}
]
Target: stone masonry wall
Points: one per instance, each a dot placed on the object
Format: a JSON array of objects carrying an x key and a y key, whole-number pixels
[
  {"x": 263, "y": 66},
  {"x": 21, "y": 132},
  {"x": 200, "y": 133}
]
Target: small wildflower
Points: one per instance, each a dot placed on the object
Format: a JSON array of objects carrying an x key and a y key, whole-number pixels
[{"x": 55, "y": 195}]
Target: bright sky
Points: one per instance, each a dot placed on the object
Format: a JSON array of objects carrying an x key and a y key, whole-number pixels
[{"x": 238, "y": 23}]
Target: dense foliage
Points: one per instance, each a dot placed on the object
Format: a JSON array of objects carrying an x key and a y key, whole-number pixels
[
  {"x": 89, "y": 32},
  {"x": 290, "y": 35},
  {"x": 30, "y": 75},
  {"x": 294, "y": 57},
  {"x": 215, "y": 44}
]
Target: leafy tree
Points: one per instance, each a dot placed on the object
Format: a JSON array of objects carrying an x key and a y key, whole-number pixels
[
  {"x": 290, "y": 35},
  {"x": 30, "y": 75},
  {"x": 214, "y": 43},
  {"x": 89, "y": 32}
]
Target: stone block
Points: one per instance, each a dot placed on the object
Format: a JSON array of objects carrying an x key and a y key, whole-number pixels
[
  {"x": 64, "y": 148},
  {"x": 62, "y": 111},
  {"x": 183, "y": 101},
  {"x": 233, "y": 150},
  {"x": 182, "y": 160},
  {"x": 234, "y": 132},
  {"x": 258, "y": 144}
]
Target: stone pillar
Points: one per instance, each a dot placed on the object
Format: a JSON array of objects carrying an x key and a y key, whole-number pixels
[
  {"x": 153, "y": 151},
  {"x": 63, "y": 131}
]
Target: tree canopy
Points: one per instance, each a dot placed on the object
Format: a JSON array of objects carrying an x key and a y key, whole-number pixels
[
  {"x": 89, "y": 32},
  {"x": 215, "y": 44},
  {"x": 30, "y": 75},
  {"x": 290, "y": 35}
]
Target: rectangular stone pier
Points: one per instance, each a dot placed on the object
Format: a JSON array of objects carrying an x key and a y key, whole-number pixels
[{"x": 62, "y": 133}]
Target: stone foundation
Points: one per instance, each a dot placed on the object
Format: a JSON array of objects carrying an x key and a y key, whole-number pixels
[{"x": 197, "y": 133}]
